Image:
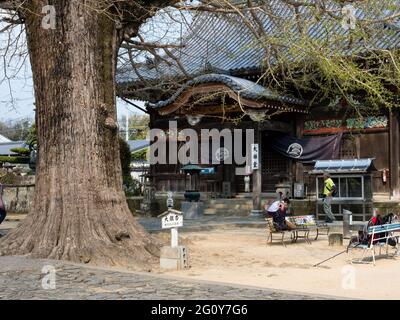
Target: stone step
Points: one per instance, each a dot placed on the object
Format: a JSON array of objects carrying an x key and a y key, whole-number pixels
[
  {"x": 232, "y": 205},
  {"x": 226, "y": 211},
  {"x": 228, "y": 207},
  {"x": 236, "y": 214},
  {"x": 228, "y": 201},
  {"x": 228, "y": 204},
  {"x": 232, "y": 208},
  {"x": 241, "y": 212}
]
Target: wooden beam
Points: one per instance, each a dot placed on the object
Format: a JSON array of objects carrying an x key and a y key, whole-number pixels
[
  {"x": 207, "y": 89},
  {"x": 344, "y": 130},
  {"x": 219, "y": 89},
  {"x": 214, "y": 110},
  {"x": 268, "y": 125},
  {"x": 272, "y": 125}
]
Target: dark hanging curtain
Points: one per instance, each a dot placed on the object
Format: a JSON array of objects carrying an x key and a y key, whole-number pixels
[{"x": 308, "y": 149}]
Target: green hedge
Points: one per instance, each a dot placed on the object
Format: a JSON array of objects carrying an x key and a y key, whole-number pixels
[
  {"x": 140, "y": 155},
  {"x": 15, "y": 159},
  {"x": 21, "y": 151}
]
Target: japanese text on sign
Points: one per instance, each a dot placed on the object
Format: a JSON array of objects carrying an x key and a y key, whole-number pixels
[
  {"x": 172, "y": 220},
  {"x": 254, "y": 157}
]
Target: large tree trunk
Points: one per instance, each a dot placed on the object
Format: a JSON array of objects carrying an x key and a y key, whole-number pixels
[{"x": 79, "y": 211}]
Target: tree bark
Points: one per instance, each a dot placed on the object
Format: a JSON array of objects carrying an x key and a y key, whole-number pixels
[{"x": 79, "y": 212}]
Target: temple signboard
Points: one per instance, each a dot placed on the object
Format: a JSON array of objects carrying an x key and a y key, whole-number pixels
[
  {"x": 255, "y": 156},
  {"x": 171, "y": 219}
]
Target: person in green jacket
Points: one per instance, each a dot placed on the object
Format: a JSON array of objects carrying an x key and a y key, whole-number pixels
[{"x": 329, "y": 188}]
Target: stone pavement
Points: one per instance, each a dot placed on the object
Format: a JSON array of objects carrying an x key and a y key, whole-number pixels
[{"x": 22, "y": 278}]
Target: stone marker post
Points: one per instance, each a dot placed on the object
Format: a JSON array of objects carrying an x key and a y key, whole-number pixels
[
  {"x": 347, "y": 223},
  {"x": 173, "y": 257}
]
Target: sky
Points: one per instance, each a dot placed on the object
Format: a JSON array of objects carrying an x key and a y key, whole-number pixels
[
  {"x": 17, "y": 96},
  {"x": 16, "y": 99}
]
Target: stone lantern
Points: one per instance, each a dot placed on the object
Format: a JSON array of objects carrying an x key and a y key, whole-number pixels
[
  {"x": 192, "y": 207},
  {"x": 149, "y": 203},
  {"x": 192, "y": 182}
]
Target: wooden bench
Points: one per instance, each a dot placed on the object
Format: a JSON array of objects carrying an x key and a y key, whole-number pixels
[
  {"x": 376, "y": 235},
  {"x": 309, "y": 222},
  {"x": 294, "y": 234},
  {"x": 272, "y": 230}
]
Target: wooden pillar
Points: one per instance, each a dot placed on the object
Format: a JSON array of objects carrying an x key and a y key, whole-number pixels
[
  {"x": 299, "y": 168},
  {"x": 152, "y": 169},
  {"x": 257, "y": 178},
  {"x": 394, "y": 155}
]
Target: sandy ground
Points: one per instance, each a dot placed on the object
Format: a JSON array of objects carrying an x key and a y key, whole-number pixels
[{"x": 242, "y": 256}]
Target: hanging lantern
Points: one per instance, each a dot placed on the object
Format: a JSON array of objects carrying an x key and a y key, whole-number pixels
[
  {"x": 257, "y": 115},
  {"x": 194, "y": 119}
]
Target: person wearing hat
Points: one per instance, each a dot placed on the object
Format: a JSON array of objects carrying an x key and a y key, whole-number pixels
[{"x": 329, "y": 189}]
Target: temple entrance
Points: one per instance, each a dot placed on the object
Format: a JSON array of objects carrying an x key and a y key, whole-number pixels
[{"x": 274, "y": 166}]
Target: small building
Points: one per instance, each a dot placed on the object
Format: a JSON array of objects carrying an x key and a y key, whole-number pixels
[
  {"x": 138, "y": 145},
  {"x": 6, "y": 147},
  {"x": 3, "y": 139},
  {"x": 11, "y": 159},
  {"x": 139, "y": 167}
]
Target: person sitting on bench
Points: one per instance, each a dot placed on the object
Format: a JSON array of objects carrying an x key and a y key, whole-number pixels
[
  {"x": 380, "y": 219},
  {"x": 277, "y": 210},
  {"x": 377, "y": 220}
]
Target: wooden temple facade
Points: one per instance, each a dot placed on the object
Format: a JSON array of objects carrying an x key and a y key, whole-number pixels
[
  {"x": 374, "y": 137},
  {"x": 221, "y": 91}
]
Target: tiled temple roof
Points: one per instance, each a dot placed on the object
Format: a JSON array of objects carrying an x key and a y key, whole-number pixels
[
  {"x": 221, "y": 43},
  {"x": 244, "y": 88}
]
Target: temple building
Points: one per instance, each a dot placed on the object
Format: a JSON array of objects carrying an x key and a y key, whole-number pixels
[{"x": 215, "y": 76}]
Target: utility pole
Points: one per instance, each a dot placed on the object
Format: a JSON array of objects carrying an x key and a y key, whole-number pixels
[{"x": 127, "y": 126}]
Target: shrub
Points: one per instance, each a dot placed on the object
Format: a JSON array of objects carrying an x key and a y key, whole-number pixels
[
  {"x": 125, "y": 156},
  {"x": 140, "y": 155},
  {"x": 21, "y": 151},
  {"x": 131, "y": 186},
  {"x": 14, "y": 159}
]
